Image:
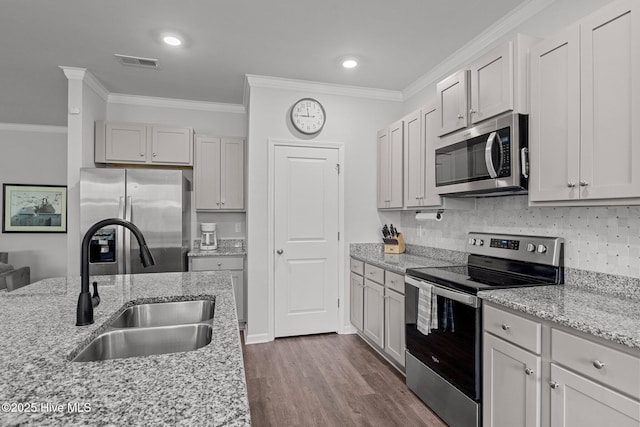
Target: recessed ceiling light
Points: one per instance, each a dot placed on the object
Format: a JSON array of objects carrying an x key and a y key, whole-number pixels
[
  {"x": 172, "y": 40},
  {"x": 349, "y": 63}
]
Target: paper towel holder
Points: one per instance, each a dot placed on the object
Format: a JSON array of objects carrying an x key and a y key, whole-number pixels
[{"x": 430, "y": 216}]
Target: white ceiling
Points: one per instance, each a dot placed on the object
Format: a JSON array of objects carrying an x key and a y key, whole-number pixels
[{"x": 397, "y": 43}]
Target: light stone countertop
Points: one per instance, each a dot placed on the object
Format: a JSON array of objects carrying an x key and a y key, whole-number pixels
[
  {"x": 611, "y": 317},
  {"x": 221, "y": 251},
  {"x": 373, "y": 254},
  {"x": 204, "y": 387}
]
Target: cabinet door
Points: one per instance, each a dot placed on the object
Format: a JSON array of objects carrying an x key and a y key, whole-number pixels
[
  {"x": 492, "y": 83},
  {"x": 384, "y": 192},
  {"x": 578, "y": 402},
  {"x": 170, "y": 145},
  {"x": 356, "y": 306},
  {"x": 453, "y": 102},
  {"x": 555, "y": 118},
  {"x": 207, "y": 173},
  {"x": 237, "y": 276},
  {"x": 394, "y": 330},
  {"x": 511, "y": 385},
  {"x": 126, "y": 143},
  {"x": 414, "y": 158},
  {"x": 232, "y": 173},
  {"x": 610, "y": 100},
  {"x": 396, "y": 159},
  {"x": 430, "y": 136},
  {"x": 373, "y": 319}
]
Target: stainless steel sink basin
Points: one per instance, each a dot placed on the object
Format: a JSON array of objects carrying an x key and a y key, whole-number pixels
[
  {"x": 167, "y": 313},
  {"x": 133, "y": 342}
]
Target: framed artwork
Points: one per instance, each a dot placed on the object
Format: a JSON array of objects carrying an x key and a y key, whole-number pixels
[{"x": 34, "y": 208}]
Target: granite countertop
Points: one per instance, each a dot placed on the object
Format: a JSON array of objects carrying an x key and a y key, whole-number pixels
[
  {"x": 373, "y": 253},
  {"x": 221, "y": 251},
  {"x": 202, "y": 387},
  {"x": 607, "y": 316}
]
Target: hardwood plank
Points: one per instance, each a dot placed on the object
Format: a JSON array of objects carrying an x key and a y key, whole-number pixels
[{"x": 328, "y": 380}]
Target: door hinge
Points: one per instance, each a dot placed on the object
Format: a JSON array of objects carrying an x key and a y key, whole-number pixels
[
  {"x": 338, "y": 235},
  {"x": 338, "y": 302},
  {"x": 338, "y": 168}
]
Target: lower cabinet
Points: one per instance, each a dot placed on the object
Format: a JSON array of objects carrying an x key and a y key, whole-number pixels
[
  {"x": 235, "y": 265},
  {"x": 511, "y": 394},
  {"x": 539, "y": 373},
  {"x": 377, "y": 309}
]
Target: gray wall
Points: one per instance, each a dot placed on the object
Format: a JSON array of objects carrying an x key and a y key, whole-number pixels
[{"x": 34, "y": 155}]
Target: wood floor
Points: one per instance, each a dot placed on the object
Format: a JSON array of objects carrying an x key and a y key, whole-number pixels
[{"x": 328, "y": 380}]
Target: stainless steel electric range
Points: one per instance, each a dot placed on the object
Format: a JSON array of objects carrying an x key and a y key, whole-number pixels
[{"x": 443, "y": 317}]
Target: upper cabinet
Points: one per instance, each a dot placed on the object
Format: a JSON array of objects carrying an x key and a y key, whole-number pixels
[
  {"x": 390, "y": 166},
  {"x": 493, "y": 84},
  {"x": 140, "y": 143},
  {"x": 585, "y": 111},
  {"x": 219, "y": 174}
]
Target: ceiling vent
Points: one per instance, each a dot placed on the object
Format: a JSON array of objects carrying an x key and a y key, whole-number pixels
[{"x": 136, "y": 61}]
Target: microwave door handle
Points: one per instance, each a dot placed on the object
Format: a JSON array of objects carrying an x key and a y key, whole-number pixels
[{"x": 488, "y": 158}]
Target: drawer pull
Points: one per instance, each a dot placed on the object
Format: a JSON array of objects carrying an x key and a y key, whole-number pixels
[
  {"x": 528, "y": 371},
  {"x": 219, "y": 264},
  {"x": 554, "y": 385},
  {"x": 598, "y": 364},
  {"x": 505, "y": 327}
]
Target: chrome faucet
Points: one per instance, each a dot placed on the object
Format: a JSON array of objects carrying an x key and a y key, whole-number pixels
[{"x": 86, "y": 302}]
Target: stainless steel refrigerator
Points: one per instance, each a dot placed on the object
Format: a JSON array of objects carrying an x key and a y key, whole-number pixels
[{"x": 156, "y": 201}]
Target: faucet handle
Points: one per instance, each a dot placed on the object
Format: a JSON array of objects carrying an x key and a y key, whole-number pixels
[{"x": 95, "y": 299}]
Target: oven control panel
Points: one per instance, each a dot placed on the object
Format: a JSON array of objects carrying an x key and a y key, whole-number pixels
[{"x": 538, "y": 249}]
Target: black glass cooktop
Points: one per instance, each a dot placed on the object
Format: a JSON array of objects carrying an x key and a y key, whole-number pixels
[{"x": 472, "y": 279}]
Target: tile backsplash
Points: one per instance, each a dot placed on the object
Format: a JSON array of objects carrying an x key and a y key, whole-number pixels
[{"x": 602, "y": 239}]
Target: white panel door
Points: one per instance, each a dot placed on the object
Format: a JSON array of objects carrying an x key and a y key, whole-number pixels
[
  {"x": 306, "y": 240},
  {"x": 171, "y": 145},
  {"x": 384, "y": 188},
  {"x": 492, "y": 83},
  {"x": 232, "y": 173},
  {"x": 453, "y": 102},
  {"x": 610, "y": 101},
  {"x": 413, "y": 160},
  {"x": 126, "y": 142},
  {"x": 396, "y": 142}
]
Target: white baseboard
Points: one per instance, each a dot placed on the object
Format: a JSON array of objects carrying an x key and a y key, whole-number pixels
[
  {"x": 347, "y": 329},
  {"x": 257, "y": 338}
]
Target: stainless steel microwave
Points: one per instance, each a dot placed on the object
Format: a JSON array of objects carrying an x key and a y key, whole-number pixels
[{"x": 490, "y": 159}]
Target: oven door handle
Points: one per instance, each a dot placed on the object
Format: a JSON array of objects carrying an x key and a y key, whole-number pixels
[{"x": 466, "y": 299}]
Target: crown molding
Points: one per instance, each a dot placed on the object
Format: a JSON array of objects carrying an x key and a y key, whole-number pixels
[
  {"x": 20, "y": 127},
  {"x": 501, "y": 28},
  {"x": 150, "y": 101},
  {"x": 326, "y": 88},
  {"x": 75, "y": 73}
]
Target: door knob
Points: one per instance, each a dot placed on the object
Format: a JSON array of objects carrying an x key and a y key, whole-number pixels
[
  {"x": 528, "y": 371},
  {"x": 280, "y": 251}
]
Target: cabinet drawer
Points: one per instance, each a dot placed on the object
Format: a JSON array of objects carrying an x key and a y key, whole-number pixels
[
  {"x": 606, "y": 365},
  {"x": 513, "y": 328},
  {"x": 374, "y": 273},
  {"x": 357, "y": 266},
  {"x": 216, "y": 263},
  {"x": 394, "y": 281}
]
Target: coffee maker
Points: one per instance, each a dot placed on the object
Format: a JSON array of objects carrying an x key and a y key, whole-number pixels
[{"x": 209, "y": 240}]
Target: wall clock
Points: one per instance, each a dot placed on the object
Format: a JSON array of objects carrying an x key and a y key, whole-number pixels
[{"x": 307, "y": 116}]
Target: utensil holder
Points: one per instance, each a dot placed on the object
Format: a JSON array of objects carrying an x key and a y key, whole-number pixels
[{"x": 394, "y": 245}]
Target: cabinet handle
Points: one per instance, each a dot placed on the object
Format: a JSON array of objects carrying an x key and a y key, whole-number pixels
[
  {"x": 505, "y": 327},
  {"x": 471, "y": 111},
  {"x": 583, "y": 183},
  {"x": 280, "y": 251},
  {"x": 460, "y": 116},
  {"x": 141, "y": 154},
  {"x": 598, "y": 364},
  {"x": 528, "y": 371},
  {"x": 219, "y": 264},
  {"x": 155, "y": 154},
  {"x": 554, "y": 385},
  {"x": 571, "y": 184}
]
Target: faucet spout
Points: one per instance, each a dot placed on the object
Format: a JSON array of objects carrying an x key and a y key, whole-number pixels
[{"x": 84, "y": 314}]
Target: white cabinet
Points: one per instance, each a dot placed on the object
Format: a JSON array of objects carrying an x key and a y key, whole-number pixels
[
  {"x": 390, "y": 168},
  {"x": 140, "y": 143},
  {"x": 235, "y": 265},
  {"x": 219, "y": 174},
  {"x": 414, "y": 160},
  {"x": 373, "y": 323},
  {"x": 394, "y": 329},
  {"x": 453, "y": 102},
  {"x": 356, "y": 306},
  {"x": 492, "y": 83},
  {"x": 585, "y": 111},
  {"x": 512, "y": 373}
]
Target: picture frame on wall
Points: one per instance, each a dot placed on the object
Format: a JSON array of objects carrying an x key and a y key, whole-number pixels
[{"x": 34, "y": 208}]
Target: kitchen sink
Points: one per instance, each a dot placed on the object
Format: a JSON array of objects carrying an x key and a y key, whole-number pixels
[
  {"x": 147, "y": 341},
  {"x": 164, "y": 314}
]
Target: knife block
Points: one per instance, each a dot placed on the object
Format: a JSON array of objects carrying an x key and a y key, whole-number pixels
[{"x": 394, "y": 245}]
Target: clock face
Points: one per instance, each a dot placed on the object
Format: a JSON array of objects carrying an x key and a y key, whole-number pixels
[{"x": 307, "y": 116}]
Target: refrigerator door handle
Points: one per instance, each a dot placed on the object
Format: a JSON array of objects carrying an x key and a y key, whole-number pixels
[
  {"x": 120, "y": 238},
  {"x": 127, "y": 236}
]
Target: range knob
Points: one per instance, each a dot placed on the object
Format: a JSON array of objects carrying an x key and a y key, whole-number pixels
[
  {"x": 480, "y": 242},
  {"x": 472, "y": 241},
  {"x": 542, "y": 249},
  {"x": 531, "y": 247}
]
